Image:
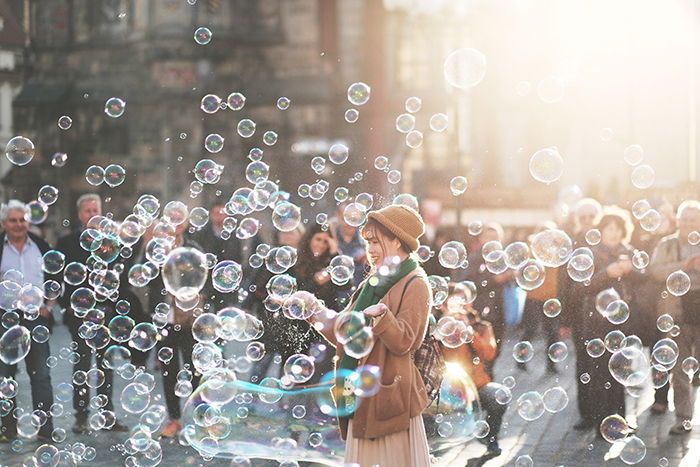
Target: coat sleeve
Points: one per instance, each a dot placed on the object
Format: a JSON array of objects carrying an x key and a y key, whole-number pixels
[
  {"x": 663, "y": 261},
  {"x": 399, "y": 330}
]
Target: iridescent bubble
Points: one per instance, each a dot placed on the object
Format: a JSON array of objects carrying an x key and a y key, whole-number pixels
[
  {"x": 352, "y": 115},
  {"x": 452, "y": 254},
  {"x": 226, "y": 276},
  {"x": 633, "y": 451},
  {"x": 678, "y": 283},
  {"x": 557, "y": 352},
  {"x": 405, "y": 123},
  {"x": 358, "y": 93},
  {"x": 199, "y": 217},
  {"x": 299, "y": 368},
  {"x": 65, "y": 122},
  {"x": 175, "y": 212},
  {"x": 595, "y": 348},
  {"x": 135, "y": 398},
  {"x": 613, "y": 340},
  {"x": 464, "y": 68},
  {"x": 546, "y": 165},
  {"x": 593, "y": 237},
  {"x": 516, "y": 254},
  {"x": 629, "y": 366},
  {"x": 523, "y": 352},
  {"x": 393, "y": 177},
  {"x": 633, "y": 154},
  {"x": 210, "y": 103},
  {"x": 552, "y": 308},
  {"x": 283, "y": 103},
  {"x": 694, "y": 237},
  {"x": 381, "y": 162},
  {"x": 413, "y": 104},
  {"x": 530, "y": 406},
  {"x": 689, "y": 366},
  {"x": 236, "y": 101},
  {"x": 184, "y": 273},
  {"x": 115, "y": 107},
  {"x": 475, "y": 227},
  {"x": 255, "y": 351},
  {"x": 59, "y": 159},
  {"x": 438, "y": 122},
  {"x": 214, "y": 143},
  {"x": 555, "y": 399},
  {"x": 19, "y": 150},
  {"x": 95, "y": 175},
  {"x": 37, "y": 212},
  {"x": 270, "y": 138},
  {"x": 338, "y": 153},
  {"x": 414, "y": 139},
  {"x": 114, "y": 175},
  {"x": 202, "y": 36},
  {"x": 651, "y": 220},
  {"x": 640, "y": 259},
  {"x": 664, "y": 323},
  {"x": 48, "y": 194},
  {"x": 552, "y": 247},
  {"x": 15, "y": 344},
  {"x": 354, "y": 214},
  {"x": 53, "y": 262},
  {"x": 286, "y": 216},
  {"x": 458, "y": 185},
  {"x": 643, "y": 176},
  {"x": 614, "y": 428},
  {"x": 246, "y": 128},
  {"x": 406, "y": 199},
  {"x": 530, "y": 275},
  {"x": 205, "y": 327}
]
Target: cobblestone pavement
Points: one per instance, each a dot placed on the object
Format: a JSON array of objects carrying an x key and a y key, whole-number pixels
[{"x": 550, "y": 440}]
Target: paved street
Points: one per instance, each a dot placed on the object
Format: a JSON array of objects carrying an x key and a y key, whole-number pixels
[{"x": 549, "y": 440}]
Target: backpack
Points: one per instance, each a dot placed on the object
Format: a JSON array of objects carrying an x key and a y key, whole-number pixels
[{"x": 428, "y": 358}]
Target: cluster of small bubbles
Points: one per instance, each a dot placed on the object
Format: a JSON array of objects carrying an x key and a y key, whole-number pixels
[
  {"x": 358, "y": 93},
  {"x": 318, "y": 164},
  {"x": 665, "y": 352},
  {"x": 523, "y": 352},
  {"x": 352, "y": 115},
  {"x": 546, "y": 165},
  {"x": 530, "y": 405},
  {"x": 59, "y": 159},
  {"x": 458, "y": 185},
  {"x": 464, "y": 68},
  {"x": 643, "y": 176},
  {"x": 405, "y": 123},
  {"x": 283, "y": 103},
  {"x": 438, "y": 122},
  {"x": 678, "y": 283},
  {"x": 65, "y": 122},
  {"x": 19, "y": 150},
  {"x": 440, "y": 289},
  {"x": 210, "y": 103},
  {"x": 452, "y": 333},
  {"x": 246, "y": 128},
  {"x": 115, "y": 107},
  {"x": 95, "y": 175},
  {"x": 551, "y": 90},
  {"x": 202, "y": 36}
]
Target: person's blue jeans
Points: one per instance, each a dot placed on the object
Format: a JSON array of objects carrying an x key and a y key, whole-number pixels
[{"x": 39, "y": 379}]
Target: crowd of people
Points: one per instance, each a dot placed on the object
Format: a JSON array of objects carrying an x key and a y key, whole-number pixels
[{"x": 381, "y": 427}]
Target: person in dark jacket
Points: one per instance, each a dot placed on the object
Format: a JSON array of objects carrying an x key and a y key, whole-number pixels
[
  {"x": 89, "y": 206},
  {"x": 599, "y": 394},
  {"x": 23, "y": 252}
]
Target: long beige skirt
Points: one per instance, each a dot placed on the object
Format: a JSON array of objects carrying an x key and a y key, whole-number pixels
[{"x": 407, "y": 448}]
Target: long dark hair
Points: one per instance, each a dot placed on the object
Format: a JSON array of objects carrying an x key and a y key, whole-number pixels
[{"x": 308, "y": 264}]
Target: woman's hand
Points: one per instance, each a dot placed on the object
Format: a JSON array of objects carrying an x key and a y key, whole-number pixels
[
  {"x": 322, "y": 277},
  {"x": 375, "y": 310},
  {"x": 332, "y": 245}
]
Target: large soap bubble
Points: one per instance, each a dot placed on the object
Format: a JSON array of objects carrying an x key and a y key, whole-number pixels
[
  {"x": 546, "y": 165},
  {"x": 15, "y": 344},
  {"x": 552, "y": 247},
  {"x": 185, "y": 272},
  {"x": 465, "y": 68}
]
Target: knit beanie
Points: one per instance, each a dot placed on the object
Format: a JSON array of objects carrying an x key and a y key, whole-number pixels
[{"x": 402, "y": 221}]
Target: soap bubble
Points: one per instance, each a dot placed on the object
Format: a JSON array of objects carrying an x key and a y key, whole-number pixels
[
  {"x": 405, "y": 123},
  {"x": 665, "y": 351},
  {"x": 633, "y": 154},
  {"x": 689, "y": 366},
  {"x": 135, "y": 398},
  {"x": 595, "y": 348},
  {"x": 633, "y": 451},
  {"x": 358, "y": 93},
  {"x": 236, "y": 101},
  {"x": 438, "y": 122},
  {"x": 523, "y": 352},
  {"x": 613, "y": 340},
  {"x": 184, "y": 273},
  {"x": 53, "y": 262},
  {"x": 552, "y": 308},
  {"x": 643, "y": 176},
  {"x": 226, "y": 276},
  {"x": 640, "y": 259},
  {"x": 557, "y": 352},
  {"x": 465, "y": 68},
  {"x": 352, "y": 115},
  {"x": 59, "y": 159},
  {"x": 299, "y": 368},
  {"x": 115, "y": 107},
  {"x": 614, "y": 428},
  {"x": 546, "y": 165},
  {"x": 651, "y": 220},
  {"x": 452, "y": 255},
  {"x": 65, "y": 122},
  {"x": 664, "y": 323},
  {"x": 19, "y": 150},
  {"x": 37, "y": 212},
  {"x": 593, "y": 237},
  {"x": 393, "y": 177},
  {"x": 205, "y": 327},
  {"x": 114, "y": 175},
  {"x": 338, "y": 153},
  {"x": 530, "y": 406},
  {"x": 202, "y": 36},
  {"x": 530, "y": 275},
  {"x": 214, "y": 143},
  {"x": 15, "y": 344},
  {"x": 286, "y": 216},
  {"x": 555, "y": 399},
  {"x": 354, "y": 214},
  {"x": 210, "y": 103},
  {"x": 414, "y": 139},
  {"x": 440, "y": 288},
  {"x": 95, "y": 175},
  {"x": 458, "y": 185},
  {"x": 552, "y": 247},
  {"x": 48, "y": 194},
  {"x": 283, "y": 103},
  {"x": 516, "y": 254},
  {"x": 270, "y": 138},
  {"x": 678, "y": 283},
  {"x": 629, "y": 366},
  {"x": 246, "y": 128}
]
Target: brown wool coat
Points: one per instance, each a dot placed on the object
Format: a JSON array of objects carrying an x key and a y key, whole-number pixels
[{"x": 397, "y": 334}]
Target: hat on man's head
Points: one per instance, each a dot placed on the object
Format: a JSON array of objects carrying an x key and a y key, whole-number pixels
[{"x": 403, "y": 222}]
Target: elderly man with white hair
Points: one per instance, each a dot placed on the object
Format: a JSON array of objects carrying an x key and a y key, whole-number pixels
[
  {"x": 679, "y": 251},
  {"x": 21, "y": 258}
]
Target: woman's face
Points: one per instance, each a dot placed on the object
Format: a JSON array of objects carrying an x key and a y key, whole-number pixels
[
  {"x": 380, "y": 248},
  {"x": 611, "y": 235},
  {"x": 319, "y": 243}
]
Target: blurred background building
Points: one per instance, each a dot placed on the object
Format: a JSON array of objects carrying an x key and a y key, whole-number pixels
[{"x": 588, "y": 77}]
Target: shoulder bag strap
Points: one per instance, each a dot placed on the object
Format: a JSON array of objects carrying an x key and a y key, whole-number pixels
[{"x": 405, "y": 287}]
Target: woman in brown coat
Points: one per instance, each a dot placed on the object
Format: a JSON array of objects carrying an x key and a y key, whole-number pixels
[{"x": 386, "y": 428}]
